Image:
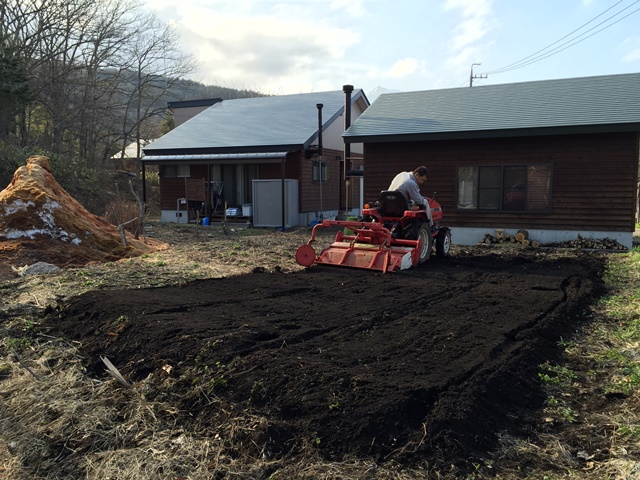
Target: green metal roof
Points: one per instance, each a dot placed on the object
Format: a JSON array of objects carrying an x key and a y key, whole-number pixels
[
  {"x": 572, "y": 105},
  {"x": 259, "y": 124}
]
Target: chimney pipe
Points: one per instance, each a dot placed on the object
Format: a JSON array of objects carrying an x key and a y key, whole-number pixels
[
  {"x": 347, "y": 89},
  {"x": 319, "y": 105},
  {"x": 320, "y": 163}
]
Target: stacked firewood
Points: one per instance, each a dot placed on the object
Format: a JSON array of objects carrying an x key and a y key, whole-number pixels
[
  {"x": 521, "y": 237},
  {"x": 589, "y": 243},
  {"x": 502, "y": 237}
]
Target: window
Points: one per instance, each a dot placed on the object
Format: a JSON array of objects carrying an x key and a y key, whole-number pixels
[
  {"x": 173, "y": 171},
  {"x": 511, "y": 188},
  {"x": 319, "y": 171},
  {"x": 233, "y": 183}
]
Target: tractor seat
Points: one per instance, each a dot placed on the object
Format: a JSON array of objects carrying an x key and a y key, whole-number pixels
[{"x": 392, "y": 204}]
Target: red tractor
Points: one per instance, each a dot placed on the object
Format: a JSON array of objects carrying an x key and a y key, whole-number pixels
[{"x": 389, "y": 237}]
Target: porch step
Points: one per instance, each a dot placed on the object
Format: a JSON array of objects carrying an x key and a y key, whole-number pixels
[{"x": 236, "y": 219}]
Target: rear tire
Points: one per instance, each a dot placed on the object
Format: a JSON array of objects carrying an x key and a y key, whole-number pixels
[
  {"x": 443, "y": 242},
  {"x": 426, "y": 242}
]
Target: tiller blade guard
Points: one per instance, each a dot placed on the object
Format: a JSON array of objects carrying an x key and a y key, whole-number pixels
[
  {"x": 371, "y": 247},
  {"x": 389, "y": 237}
]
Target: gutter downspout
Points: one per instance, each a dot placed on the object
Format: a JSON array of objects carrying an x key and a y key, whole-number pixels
[
  {"x": 347, "y": 89},
  {"x": 282, "y": 227},
  {"x": 143, "y": 172}
]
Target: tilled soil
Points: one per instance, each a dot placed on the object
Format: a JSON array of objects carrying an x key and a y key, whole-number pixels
[{"x": 428, "y": 365}]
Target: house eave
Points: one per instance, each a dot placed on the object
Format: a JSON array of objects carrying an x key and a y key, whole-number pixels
[
  {"x": 258, "y": 149},
  {"x": 500, "y": 133},
  {"x": 213, "y": 158}
]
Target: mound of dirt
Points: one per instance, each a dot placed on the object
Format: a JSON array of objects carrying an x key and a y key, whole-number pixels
[{"x": 40, "y": 221}]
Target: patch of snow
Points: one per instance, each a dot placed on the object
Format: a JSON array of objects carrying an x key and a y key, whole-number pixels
[
  {"x": 18, "y": 206},
  {"x": 13, "y": 233},
  {"x": 58, "y": 233},
  {"x": 46, "y": 214}
]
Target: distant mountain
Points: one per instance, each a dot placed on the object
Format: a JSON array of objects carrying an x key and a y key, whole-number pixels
[
  {"x": 190, "y": 90},
  {"x": 376, "y": 92}
]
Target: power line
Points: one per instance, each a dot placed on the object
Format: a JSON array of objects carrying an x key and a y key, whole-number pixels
[
  {"x": 567, "y": 35},
  {"x": 558, "y": 49},
  {"x": 537, "y": 56}
]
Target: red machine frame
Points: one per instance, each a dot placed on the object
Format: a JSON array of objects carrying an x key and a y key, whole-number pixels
[{"x": 382, "y": 240}]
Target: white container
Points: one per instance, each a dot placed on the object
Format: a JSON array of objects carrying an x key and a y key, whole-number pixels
[{"x": 247, "y": 210}]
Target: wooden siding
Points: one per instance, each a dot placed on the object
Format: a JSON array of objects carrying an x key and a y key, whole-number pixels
[
  {"x": 173, "y": 188},
  {"x": 593, "y": 177},
  {"x": 310, "y": 191},
  {"x": 182, "y": 114},
  {"x": 269, "y": 171}
]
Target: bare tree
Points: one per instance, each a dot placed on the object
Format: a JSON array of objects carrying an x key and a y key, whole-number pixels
[
  {"x": 95, "y": 71},
  {"x": 156, "y": 65}
]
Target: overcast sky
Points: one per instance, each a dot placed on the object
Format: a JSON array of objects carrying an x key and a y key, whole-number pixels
[{"x": 296, "y": 46}]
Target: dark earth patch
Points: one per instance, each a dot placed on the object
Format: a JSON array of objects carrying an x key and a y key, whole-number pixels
[{"x": 427, "y": 365}]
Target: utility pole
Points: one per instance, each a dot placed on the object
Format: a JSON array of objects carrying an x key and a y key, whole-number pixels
[{"x": 472, "y": 76}]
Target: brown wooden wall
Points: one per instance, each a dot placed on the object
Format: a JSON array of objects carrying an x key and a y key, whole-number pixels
[
  {"x": 171, "y": 189},
  {"x": 273, "y": 171},
  {"x": 594, "y": 177},
  {"x": 310, "y": 190}
]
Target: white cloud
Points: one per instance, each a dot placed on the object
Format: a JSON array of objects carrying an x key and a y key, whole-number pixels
[
  {"x": 352, "y": 7},
  {"x": 468, "y": 39},
  {"x": 470, "y": 8},
  {"x": 401, "y": 69},
  {"x": 633, "y": 52},
  {"x": 404, "y": 67},
  {"x": 632, "y": 56},
  {"x": 271, "y": 47},
  {"x": 476, "y": 21}
]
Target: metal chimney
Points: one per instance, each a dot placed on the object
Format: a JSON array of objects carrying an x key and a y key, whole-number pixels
[
  {"x": 320, "y": 159},
  {"x": 347, "y": 89},
  {"x": 319, "y": 105}
]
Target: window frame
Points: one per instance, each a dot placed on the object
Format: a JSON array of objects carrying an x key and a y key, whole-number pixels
[
  {"x": 176, "y": 170},
  {"x": 319, "y": 168},
  {"x": 472, "y": 193}
]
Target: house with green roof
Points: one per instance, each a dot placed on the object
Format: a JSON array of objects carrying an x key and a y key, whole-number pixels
[
  {"x": 558, "y": 158},
  {"x": 272, "y": 160}
]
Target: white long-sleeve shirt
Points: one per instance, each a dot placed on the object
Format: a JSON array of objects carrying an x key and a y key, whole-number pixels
[{"x": 405, "y": 183}]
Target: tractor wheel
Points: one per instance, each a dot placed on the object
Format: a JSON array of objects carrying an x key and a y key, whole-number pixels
[
  {"x": 443, "y": 242},
  {"x": 426, "y": 242}
]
